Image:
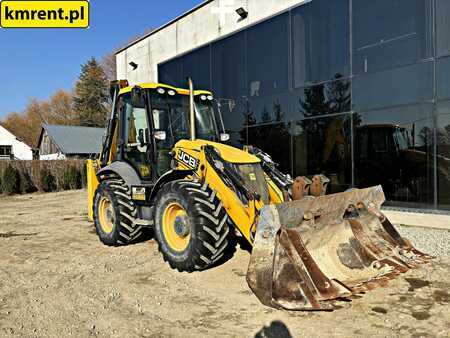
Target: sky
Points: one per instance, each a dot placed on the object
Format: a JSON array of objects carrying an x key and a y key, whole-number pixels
[{"x": 37, "y": 62}]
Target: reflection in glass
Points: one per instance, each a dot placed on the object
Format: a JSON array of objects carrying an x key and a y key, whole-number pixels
[
  {"x": 267, "y": 56},
  {"x": 400, "y": 86},
  {"x": 323, "y": 146},
  {"x": 274, "y": 138},
  {"x": 268, "y": 109},
  {"x": 443, "y": 78},
  {"x": 234, "y": 114},
  {"x": 443, "y": 155},
  {"x": 388, "y": 34},
  {"x": 394, "y": 148},
  {"x": 229, "y": 84},
  {"x": 320, "y": 41},
  {"x": 322, "y": 99},
  {"x": 228, "y": 67},
  {"x": 171, "y": 73},
  {"x": 197, "y": 66},
  {"x": 285, "y": 86},
  {"x": 443, "y": 27}
]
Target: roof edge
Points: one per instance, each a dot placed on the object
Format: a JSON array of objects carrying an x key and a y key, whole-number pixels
[
  {"x": 15, "y": 136},
  {"x": 70, "y": 126},
  {"x": 43, "y": 130},
  {"x": 192, "y": 10}
]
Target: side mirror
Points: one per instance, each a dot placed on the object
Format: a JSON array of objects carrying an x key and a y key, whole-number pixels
[
  {"x": 141, "y": 137},
  {"x": 224, "y": 137},
  {"x": 160, "y": 135}
]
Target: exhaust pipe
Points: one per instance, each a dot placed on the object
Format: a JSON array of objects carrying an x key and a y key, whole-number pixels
[{"x": 191, "y": 108}]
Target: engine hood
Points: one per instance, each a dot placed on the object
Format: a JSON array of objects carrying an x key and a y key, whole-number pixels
[{"x": 228, "y": 153}]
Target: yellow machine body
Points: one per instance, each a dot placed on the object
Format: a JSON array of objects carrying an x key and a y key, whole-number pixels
[
  {"x": 243, "y": 216},
  {"x": 92, "y": 167},
  {"x": 308, "y": 248}
]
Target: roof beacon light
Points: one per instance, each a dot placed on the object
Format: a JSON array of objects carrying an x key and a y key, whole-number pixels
[{"x": 123, "y": 83}]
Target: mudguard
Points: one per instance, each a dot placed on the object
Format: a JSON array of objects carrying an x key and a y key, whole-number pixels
[
  {"x": 122, "y": 169},
  {"x": 169, "y": 176}
]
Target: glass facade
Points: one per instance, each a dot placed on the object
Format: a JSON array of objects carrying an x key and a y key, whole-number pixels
[{"x": 358, "y": 90}]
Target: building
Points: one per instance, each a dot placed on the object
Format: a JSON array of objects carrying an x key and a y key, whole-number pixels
[
  {"x": 356, "y": 89},
  {"x": 11, "y": 148},
  {"x": 62, "y": 142}
]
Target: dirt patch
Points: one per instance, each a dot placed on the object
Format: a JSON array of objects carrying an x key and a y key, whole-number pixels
[
  {"x": 12, "y": 234},
  {"x": 378, "y": 309},
  {"x": 57, "y": 279},
  {"x": 421, "y": 315},
  {"x": 441, "y": 296},
  {"x": 416, "y": 283}
]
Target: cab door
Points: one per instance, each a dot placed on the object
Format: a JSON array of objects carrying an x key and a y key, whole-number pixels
[{"x": 135, "y": 131}]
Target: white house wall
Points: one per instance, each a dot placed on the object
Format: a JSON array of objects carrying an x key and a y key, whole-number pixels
[
  {"x": 192, "y": 31},
  {"x": 20, "y": 150}
]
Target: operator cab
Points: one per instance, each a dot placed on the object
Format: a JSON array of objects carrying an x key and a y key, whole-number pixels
[{"x": 154, "y": 117}]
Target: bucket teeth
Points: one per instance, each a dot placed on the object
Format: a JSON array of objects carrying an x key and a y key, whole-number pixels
[{"x": 313, "y": 251}]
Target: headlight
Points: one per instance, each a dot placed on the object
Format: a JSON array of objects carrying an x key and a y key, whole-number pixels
[{"x": 171, "y": 92}]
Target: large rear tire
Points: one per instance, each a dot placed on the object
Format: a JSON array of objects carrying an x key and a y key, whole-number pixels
[
  {"x": 191, "y": 225},
  {"x": 114, "y": 213}
]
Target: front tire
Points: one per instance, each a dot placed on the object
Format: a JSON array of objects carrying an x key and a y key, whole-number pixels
[
  {"x": 191, "y": 225},
  {"x": 114, "y": 213}
]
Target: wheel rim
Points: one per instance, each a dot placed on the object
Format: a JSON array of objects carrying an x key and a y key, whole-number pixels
[
  {"x": 106, "y": 215},
  {"x": 176, "y": 227}
]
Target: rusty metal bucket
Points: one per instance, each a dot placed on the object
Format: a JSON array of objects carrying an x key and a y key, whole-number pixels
[{"x": 310, "y": 252}]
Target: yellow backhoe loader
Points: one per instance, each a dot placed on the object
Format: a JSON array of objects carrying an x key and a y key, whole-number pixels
[{"x": 164, "y": 165}]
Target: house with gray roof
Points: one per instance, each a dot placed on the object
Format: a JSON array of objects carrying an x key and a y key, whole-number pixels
[{"x": 62, "y": 142}]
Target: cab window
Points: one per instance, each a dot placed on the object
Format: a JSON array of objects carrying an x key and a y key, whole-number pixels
[{"x": 135, "y": 124}]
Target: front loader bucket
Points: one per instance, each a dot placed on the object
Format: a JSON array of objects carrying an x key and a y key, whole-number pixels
[{"x": 310, "y": 252}]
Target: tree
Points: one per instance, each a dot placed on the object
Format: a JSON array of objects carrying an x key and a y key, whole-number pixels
[
  {"x": 265, "y": 117},
  {"x": 27, "y": 124},
  {"x": 426, "y": 136},
  {"x": 90, "y": 100},
  {"x": 339, "y": 96},
  {"x": 109, "y": 66},
  {"x": 60, "y": 110},
  {"x": 16, "y": 124}
]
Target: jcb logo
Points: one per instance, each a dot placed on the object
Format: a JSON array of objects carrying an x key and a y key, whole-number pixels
[{"x": 187, "y": 159}]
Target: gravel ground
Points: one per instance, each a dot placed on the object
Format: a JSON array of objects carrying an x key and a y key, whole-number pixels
[
  {"x": 58, "y": 280},
  {"x": 431, "y": 241}
]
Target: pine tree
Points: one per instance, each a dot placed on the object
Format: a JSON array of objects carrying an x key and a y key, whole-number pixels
[
  {"x": 91, "y": 95},
  {"x": 265, "y": 117},
  {"x": 339, "y": 95}
]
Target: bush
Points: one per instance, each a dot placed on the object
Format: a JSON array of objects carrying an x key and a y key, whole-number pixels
[
  {"x": 26, "y": 183},
  {"x": 71, "y": 178},
  {"x": 47, "y": 175},
  {"x": 11, "y": 181},
  {"x": 48, "y": 181}
]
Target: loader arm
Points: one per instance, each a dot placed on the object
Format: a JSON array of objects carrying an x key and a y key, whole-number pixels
[{"x": 242, "y": 201}]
